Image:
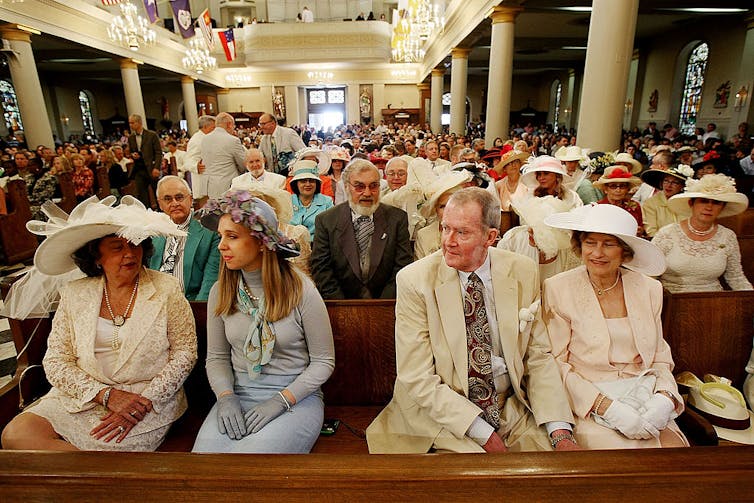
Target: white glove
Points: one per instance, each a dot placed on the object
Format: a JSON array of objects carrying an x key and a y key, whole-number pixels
[
  {"x": 627, "y": 420},
  {"x": 659, "y": 411}
]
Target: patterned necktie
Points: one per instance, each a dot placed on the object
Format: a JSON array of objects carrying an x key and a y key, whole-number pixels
[
  {"x": 364, "y": 230},
  {"x": 274, "y": 150},
  {"x": 481, "y": 383},
  {"x": 169, "y": 265}
]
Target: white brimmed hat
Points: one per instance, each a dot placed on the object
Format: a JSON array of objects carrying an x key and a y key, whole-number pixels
[
  {"x": 279, "y": 199},
  {"x": 93, "y": 219},
  {"x": 616, "y": 174},
  {"x": 628, "y": 158},
  {"x": 717, "y": 187},
  {"x": 610, "y": 219},
  {"x": 323, "y": 158},
  {"x": 541, "y": 163},
  {"x": 725, "y": 408},
  {"x": 570, "y": 153},
  {"x": 449, "y": 181}
]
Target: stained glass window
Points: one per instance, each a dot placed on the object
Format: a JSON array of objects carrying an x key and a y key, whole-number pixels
[
  {"x": 446, "y": 99},
  {"x": 336, "y": 96},
  {"x": 692, "y": 89},
  {"x": 317, "y": 97},
  {"x": 10, "y": 106},
  {"x": 86, "y": 113},
  {"x": 556, "y": 114}
]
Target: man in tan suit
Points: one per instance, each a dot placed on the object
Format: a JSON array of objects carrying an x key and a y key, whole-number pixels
[{"x": 436, "y": 332}]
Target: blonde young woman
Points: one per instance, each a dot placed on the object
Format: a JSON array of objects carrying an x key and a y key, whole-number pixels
[{"x": 269, "y": 341}]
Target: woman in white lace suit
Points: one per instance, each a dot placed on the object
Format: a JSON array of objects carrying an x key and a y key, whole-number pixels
[
  {"x": 123, "y": 339},
  {"x": 698, "y": 250}
]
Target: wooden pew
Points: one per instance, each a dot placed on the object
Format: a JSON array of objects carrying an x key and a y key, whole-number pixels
[
  {"x": 743, "y": 225},
  {"x": 68, "y": 201},
  {"x": 103, "y": 182},
  {"x": 16, "y": 242}
]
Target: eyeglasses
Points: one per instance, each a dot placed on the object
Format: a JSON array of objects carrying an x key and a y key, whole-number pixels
[
  {"x": 394, "y": 174},
  {"x": 360, "y": 187},
  {"x": 178, "y": 198},
  {"x": 617, "y": 186},
  {"x": 265, "y": 123},
  {"x": 674, "y": 183}
]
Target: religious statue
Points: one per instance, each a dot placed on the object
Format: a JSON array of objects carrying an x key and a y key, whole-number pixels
[
  {"x": 722, "y": 94},
  {"x": 653, "y": 99},
  {"x": 365, "y": 104},
  {"x": 278, "y": 103}
]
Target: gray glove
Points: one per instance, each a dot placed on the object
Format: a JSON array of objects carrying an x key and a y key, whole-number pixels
[
  {"x": 259, "y": 415},
  {"x": 627, "y": 420},
  {"x": 659, "y": 411},
  {"x": 230, "y": 417}
]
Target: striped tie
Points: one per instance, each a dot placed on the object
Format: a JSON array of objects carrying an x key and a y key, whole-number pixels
[{"x": 364, "y": 230}]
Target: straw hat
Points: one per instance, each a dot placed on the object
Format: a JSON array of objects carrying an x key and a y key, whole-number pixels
[
  {"x": 654, "y": 177},
  {"x": 723, "y": 406},
  {"x": 610, "y": 219},
  {"x": 448, "y": 182},
  {"x": 541, "y": 163},
  {"x": 717, "y": 187},
  {"x": 510, "y": 156},
  {"x": 628, "y": 158},
  {"x": 570, "y": 153},
  {"x": 616, "y": 174},
  {"x": 93, "y": 219},
  {"x": 279, "y": 199}
]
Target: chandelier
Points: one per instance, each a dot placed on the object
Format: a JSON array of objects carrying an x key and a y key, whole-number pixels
[
  {"x": 198, "y": 57},
  {"x": 414, "y": 22},
  {"x": 130, "y": 29}
]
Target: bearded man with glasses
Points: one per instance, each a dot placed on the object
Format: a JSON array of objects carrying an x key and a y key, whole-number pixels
[
  {"x": 360, "y": 244},
  {"x": 194, "y": 259}
]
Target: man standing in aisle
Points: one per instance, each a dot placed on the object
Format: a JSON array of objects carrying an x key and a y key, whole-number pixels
[{"x": 277, "y": 140}]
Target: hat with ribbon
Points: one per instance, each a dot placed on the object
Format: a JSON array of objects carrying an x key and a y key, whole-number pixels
[
  {"x": 538, "y": 164},
  {"x": 323, "y": 158},
  {"x": 616, "y": 174},
  {"x": 717, "y": 187},
  {"x": 654, "y": 177},
  {"x": 89, "y": 220},
  {"x": 254, "y": 214}
]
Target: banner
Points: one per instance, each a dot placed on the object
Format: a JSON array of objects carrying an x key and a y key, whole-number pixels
[
  {"x": 205, "y": 24},
  {"x": 229, "y": 44},
  {"x": 151, "y": 8},
  {"x": 182, "y": 16}
]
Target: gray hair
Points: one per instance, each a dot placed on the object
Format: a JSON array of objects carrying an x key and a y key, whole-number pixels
[
  {"x": 396, "y": 160},
  {"x": 136, "y": 118},
  {"x": 206, "y": 120},
  {"x": 490, "y": 207},
  {"x": 224, "y": 119},
  {"x": 357, "y": 166},
  {"x": 253, "y": 150},
  {"x": 172, "y": 177}
]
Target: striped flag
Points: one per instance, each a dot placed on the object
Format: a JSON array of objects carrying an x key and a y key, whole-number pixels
[
  {"x": 229, "y": 43},
  {"x": 109, "y": 3},
  {"x": 205, "y": 24}
]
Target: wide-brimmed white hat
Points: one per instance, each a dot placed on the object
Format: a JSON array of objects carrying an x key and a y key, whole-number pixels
[
  {"x": 569, "y": 153},
  {"x": 725, "y": 408},
  {"x": 541, "y": 163},
  {"x": 93, "y": 219},
  {"x": 717, "y": 187},
  {"x": 628, "y": 158},
  {"x": 449, "y": 181},
  {"x": 279, "y": 199},
  {"x": 610, "y": 219},
  {"x": 323, "y": 158},
  {"x": 616, "y": 174}
]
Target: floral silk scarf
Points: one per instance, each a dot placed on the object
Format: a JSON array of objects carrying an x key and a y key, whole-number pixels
[{"x": 260, "y": 340}]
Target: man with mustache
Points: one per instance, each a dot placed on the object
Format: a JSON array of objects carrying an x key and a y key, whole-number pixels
[{"x": 361, "y": 244}]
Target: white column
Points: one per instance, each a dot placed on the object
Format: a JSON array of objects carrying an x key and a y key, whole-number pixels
[
  {"x": 31, "y": 103},
  {"x": 353, "y": 114},
  {"x": 500, "y": 79},
  {"x": 129, "y": 73},
  {"x": 437, "y": 90},
  {"x": 608, "y": 60},
  {"x": 378, "y": 101},
  {"x": 458, "y": 70},
  {"x": 189, "y": 104},
  {"x": 292, "y": 115},
  {"x": 742, "y": 109},
  {"x": 223, "y": 100}
]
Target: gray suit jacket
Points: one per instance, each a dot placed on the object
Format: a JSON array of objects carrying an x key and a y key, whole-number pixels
[{"x": 224, "y": 159}]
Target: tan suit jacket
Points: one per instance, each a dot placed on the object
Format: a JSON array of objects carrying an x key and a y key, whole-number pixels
[{"x": 430, "y": 405}]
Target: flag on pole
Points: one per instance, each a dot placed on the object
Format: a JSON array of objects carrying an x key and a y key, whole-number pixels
[
  {"x": 109, "y": 3},
  {"x": 151, "y": 7},
  {"x": 205, "y": 24},
  {"x": 229, "y": 43},
  {"x": 182, "y": 15}
]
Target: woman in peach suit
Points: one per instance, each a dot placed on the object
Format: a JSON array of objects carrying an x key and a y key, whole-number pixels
[{"x": 604, "y": 323}]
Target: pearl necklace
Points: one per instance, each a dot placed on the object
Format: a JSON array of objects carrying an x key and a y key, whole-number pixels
[
  {"x": 600, "y": 291},
  {"x": 697, "y": 232},
  {"x": 119, "y": 320}
]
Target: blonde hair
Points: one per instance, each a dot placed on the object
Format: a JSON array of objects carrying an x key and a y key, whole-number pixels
[{"x": 282, "y": 285}]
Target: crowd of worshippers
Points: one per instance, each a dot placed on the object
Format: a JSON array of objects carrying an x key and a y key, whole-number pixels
[{"x": 548, "y": 337}]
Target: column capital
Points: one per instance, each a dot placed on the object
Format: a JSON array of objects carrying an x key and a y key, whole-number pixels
[
  {"x": 128, "y": 63},
  {"x": 505, "y": 14},
  {"x": 187, "y": 79},
  {"x": 423, "y": 86},
  {"x": 750, "y": 22},
  {"x": 223, "y": 90},
  {"x": 11, "y": 32},
  {"x": 438, "y": 72},
  {"x": 460, "y": 52}
]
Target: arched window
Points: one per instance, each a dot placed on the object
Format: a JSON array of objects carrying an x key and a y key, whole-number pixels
[
  {"x": 10, "y": 106},
  {"x": 692, "y": 88},
  {"x": 557, "y": 90},
  {"x": 86, "y": 112}
]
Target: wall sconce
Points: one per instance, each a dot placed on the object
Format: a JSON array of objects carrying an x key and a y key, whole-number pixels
[
  {"x": 64, "y": 119},
  {"x": 741, "y": 96}
]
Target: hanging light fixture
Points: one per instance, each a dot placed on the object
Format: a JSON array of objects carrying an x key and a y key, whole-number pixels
[
  {"x": 425, "y": 18},
  {"x": 130, "y": 29},
  {"x": 198, "y": 57},
  {"x": 414, "y": 23}
]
